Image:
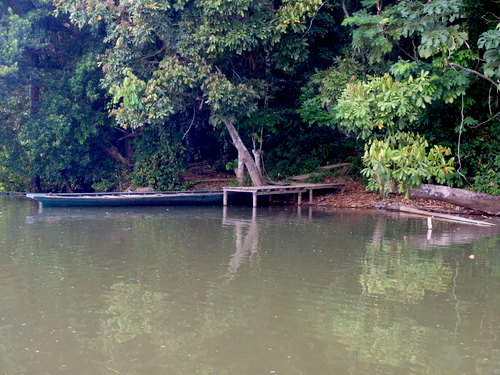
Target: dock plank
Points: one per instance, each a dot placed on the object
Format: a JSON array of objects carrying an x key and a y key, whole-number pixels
[{"x": 278, "y": 189}]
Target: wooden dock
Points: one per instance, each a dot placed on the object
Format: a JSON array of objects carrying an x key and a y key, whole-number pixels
[{"x": 271, "y": 190}]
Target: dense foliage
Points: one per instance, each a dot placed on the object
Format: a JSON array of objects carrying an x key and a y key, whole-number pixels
[
  {"x": 422, "y": 73},
  {"x": 53, "y": 118},
  {"x": 107, "y": 94}
]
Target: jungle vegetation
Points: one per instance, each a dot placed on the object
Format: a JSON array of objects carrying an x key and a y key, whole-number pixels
[{"x": 106, "y": 94}]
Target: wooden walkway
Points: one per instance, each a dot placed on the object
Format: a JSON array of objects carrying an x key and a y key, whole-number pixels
[{"x": 271, "y": 190}]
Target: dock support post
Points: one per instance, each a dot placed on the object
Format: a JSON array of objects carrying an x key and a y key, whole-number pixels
[
  {"x": 299, "y": 198},
  {"x": 224, "y": 199},
  {"x": 310, "y": 196},
  {"x": 254, "y": 199}
]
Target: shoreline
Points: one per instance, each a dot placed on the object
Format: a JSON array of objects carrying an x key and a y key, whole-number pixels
[{"x": 353, "y": 196}]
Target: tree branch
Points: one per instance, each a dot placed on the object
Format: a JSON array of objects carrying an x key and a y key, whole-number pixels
[
  {"x": 191, "y": 124},
  {"x": 473, "y": 72},
  {"x": 406, "y": 53},
  {"x": 113, "y": 152},
  {"x": 312, "y": 19},
  {"x": 344, "y": 8},
  {"x": 152, "y": 54},
  {"x": 129, "y": 135}
]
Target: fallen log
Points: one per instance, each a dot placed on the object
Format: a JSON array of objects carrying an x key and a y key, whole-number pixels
[
  {"x": 336, "y": 165},
  {"x": 487, "y": 203},
  {"x": 303, "y": 177},
  {"x": 194, "y": 180},
  {"x": 416, "y": 211}
]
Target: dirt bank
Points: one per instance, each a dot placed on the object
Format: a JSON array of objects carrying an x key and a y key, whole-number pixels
[{"x": 354, "y": 194}]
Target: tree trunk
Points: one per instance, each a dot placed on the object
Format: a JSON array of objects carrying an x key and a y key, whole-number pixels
[
  {"x": 68, "y": 187},
  {"x": 113, "y": 152},
  {"x": 240, "y": 171},
  {"x": 35, "y": 184},
  {"x": 487, "y": 203},
  {"x": 244, "y": 154},
  {"x": 128, "y": 148},
  {"x": 257, "y": 155}
]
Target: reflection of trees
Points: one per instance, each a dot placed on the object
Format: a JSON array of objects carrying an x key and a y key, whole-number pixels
[
  {"x": 375, "y": 336},
  {"x": 130, "y": 309},
  {"x": 149, "y": 295},
  {"x": 379, "y": 331},
  {"x": 172, "y": 336},
  {"x": 375, "y": 328},
  {"x": 392, "y": 270}
]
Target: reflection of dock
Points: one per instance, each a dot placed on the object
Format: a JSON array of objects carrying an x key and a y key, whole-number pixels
[{"x": 271, "y": 190}]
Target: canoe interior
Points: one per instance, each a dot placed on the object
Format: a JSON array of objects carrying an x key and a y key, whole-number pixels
[{"x": 129, "y": 199}]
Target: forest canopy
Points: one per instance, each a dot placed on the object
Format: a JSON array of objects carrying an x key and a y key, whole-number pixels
[{"x": 104, "y": 94}]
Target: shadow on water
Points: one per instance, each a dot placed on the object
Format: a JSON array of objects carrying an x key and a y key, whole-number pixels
[{"x": 291, "y": 290}]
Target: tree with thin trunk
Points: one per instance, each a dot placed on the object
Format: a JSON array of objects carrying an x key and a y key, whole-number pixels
[{"x": 163, "y": 56}]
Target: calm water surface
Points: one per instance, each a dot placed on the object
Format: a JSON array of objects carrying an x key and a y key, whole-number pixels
[{"x": 187, "y": 291}]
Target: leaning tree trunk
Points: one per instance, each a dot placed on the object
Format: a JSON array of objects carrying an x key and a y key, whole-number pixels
[
  {"x": 486, "y": 203},
  {"x": 113, "y": 152},
  {"x": 244, "y": 154}
]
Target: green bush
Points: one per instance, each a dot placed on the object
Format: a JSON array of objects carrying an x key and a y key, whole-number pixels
[
  {"x": 487, "y": 179},
  {"x": 402, "y": 161}
]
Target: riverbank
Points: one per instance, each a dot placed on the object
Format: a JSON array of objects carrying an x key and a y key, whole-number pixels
[{"x": 354, "y": 195}]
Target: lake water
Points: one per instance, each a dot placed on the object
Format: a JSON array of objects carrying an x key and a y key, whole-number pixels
[{"x": 290, "y": 291}]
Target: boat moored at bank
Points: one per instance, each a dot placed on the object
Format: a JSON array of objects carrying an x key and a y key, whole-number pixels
[{"x": 169, "y": 198}]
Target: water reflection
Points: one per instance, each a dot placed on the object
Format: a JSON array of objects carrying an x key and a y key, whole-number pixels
[
  {"x": 442, "y": 232},
  {"x": 241, "y": 291},
  {"x": 394, "y": 271},
  {"x": 247, "y": 235},
  {"x": 391, "y": 269}
]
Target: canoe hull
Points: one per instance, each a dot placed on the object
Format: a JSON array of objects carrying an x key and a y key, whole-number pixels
[{"x": 129, "y": 199}]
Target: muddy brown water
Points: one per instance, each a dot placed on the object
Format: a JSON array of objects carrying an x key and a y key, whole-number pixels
[{"x": 185, "y": 290}]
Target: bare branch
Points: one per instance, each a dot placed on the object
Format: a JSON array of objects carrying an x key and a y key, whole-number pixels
[
  {"x": 406, "y": 53},
  {"x": 484, "y": 122},
  {"x": 121, "y": 129},
  {"x": 152, "y": 54},
  {"x": 474, "y": 72},
  {"x": 129, "y": 135},
  {"x": 192, "y": 122},
  {"x": 344, "y": 8},
  {"x": 312, "y": 19}
]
